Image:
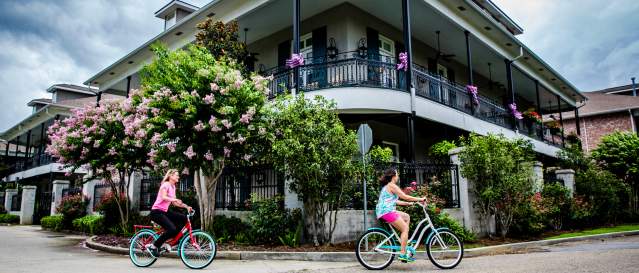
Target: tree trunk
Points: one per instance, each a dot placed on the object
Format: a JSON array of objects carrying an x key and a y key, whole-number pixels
[{"x": 205, "y": 189}]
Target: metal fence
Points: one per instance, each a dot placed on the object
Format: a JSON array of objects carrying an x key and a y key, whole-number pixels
[
  {"x": 71, "y": 191},
  {"x": 100, "y": 190},
  {"x": 551, "y": 177},
  {"x": 441, "y": 178},
  {"x": 150, "y": 185},
  {"x": 16, "y": 202},
  {"x": 236, "y": 185}
]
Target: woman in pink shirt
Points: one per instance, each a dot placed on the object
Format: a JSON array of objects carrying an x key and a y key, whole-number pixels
[{"x": 172, "y": 222}]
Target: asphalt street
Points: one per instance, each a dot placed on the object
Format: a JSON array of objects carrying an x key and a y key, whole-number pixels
[{"x": 29, "y": 249}]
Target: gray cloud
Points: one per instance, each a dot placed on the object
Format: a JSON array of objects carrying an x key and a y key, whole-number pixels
[{"x": 594, "y": 44}]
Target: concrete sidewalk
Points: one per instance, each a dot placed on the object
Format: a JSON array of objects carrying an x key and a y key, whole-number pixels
[{"x": 523, "y": 247}]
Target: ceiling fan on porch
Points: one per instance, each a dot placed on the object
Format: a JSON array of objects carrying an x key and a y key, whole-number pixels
[
  {"x": 251, "y": 57},
  {"x": 440, "y": 54}
]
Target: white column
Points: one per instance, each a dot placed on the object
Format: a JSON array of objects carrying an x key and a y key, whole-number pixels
[
  {"x": 135, "y": 187},
  {"x": 8, "y": 196},
  {"x": 88, "y": 190},
  {"x": 291, "y": 200},
  {"x": 28, "y": 205},
  {"x": 471, "y": 216},
  {"x": 538, "y": 176},
  {"x": 568, "y": 176},
  {"x": 58, "y": 187}
]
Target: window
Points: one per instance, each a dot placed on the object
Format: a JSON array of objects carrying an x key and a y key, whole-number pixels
[
  {"x": 386, "y": 46},
  {"x": 394, "y": 147}
]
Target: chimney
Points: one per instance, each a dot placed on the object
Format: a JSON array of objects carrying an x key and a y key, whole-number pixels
[
  {"x": 173, "y": 12},
  {"x": 634, "y": 87}
]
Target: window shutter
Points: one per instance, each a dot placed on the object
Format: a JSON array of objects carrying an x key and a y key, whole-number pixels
[
  {"x": 283, "y": 52},
  {"x": 319, "y": 55}
]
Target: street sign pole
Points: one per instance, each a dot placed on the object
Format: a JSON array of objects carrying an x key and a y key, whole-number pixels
[{"x": 365, "y": 139}]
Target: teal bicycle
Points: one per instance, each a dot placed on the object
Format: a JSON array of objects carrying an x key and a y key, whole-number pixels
[{"x": 377, "y": 247}]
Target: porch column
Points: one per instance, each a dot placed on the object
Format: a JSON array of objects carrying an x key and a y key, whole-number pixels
[
  {"x": 128, "y": 85},
  {"x": 28, "y": 146},
  {"x": 6, "y": 149},
  {"x": 561, "y": 122},
  {"x": 568, "y": 176},
  {"x": 577, "y": 121},
  {"x": 15, "y": 155},
  {"x": 8, "y": 198},
  {"x": 41, "y": 146},
  {"x": 511, "y": 91},
  {"x": 97, "y": 101},
  {"x": 469, "y": 62},
  {"x": 541, "y": 133},
  {"x": 409, "y": 76},
  {"x": 296, "y": 43}
]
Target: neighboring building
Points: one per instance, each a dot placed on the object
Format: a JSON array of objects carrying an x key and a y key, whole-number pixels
[
  {"x": 606, "y": 111},
  {"x": 24, "y": 143}
]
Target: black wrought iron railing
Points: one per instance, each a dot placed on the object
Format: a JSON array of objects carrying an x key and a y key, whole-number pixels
[
  {"x": 16, "y": 202},
  {"x": 234, "y": 189},
  {"x": 349, "y": 69}
]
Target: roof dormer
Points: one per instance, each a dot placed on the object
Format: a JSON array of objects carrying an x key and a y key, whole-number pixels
[{"x": 173, "y": 12}]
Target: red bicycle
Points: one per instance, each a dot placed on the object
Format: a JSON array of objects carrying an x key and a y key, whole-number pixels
[{"x": 195, "y": 248}]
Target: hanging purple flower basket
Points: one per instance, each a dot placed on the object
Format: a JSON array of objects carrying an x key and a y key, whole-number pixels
[
  {"x": 403, "y": 61},
  {"x": 513, "y": 110},
  {"x": 295, "y": 61},
  {"x": 471, "y": 89}
]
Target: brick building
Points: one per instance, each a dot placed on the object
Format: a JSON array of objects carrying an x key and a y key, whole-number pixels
[{"x": 606, "y": 111}]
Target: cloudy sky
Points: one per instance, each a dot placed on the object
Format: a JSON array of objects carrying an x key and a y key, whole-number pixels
[{"x": 593, "y": 43}]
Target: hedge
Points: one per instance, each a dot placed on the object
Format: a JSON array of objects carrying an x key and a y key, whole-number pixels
[
  {"x": 92, "y": 224},
  {"x": 53, "y": 222},
  {"x": 9, "y": 218}
]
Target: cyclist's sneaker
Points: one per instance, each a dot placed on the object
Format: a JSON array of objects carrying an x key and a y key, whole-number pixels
[
  {"x": 165, "y": 248},
  {"x": 151, "y": 249},
  {"x": 405, "y": 258},
  {"x": 411, "y": 250}
]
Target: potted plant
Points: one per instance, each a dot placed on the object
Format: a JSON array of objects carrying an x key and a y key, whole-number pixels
[{"x": 554, "y": 127}]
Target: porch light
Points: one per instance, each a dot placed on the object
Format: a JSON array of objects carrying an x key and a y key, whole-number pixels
[
  {"x": 361, "y": 48},
  {"x": 331, "y": 50}
]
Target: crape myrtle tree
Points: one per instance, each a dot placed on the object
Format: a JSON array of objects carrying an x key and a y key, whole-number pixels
[
  {"x": 203, "y": 116},
  {"x": 108, "y": 141},
  {"x": 314, "y": 150},
  {"x": 500, "y": 170}
]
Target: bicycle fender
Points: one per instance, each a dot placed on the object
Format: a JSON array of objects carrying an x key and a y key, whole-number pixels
[{"x": 433, "y": 232}]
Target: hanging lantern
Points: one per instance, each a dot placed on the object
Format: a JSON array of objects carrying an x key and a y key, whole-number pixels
[
  {"x": 362, "y": 50},
  {"x": 331, "y": 50}
]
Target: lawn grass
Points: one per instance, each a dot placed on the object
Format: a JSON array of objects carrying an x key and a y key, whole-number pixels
[{"x": 628, "y": 227}]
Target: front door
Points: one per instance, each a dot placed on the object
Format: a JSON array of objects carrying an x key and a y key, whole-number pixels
[{"x": 387, "y": 54}]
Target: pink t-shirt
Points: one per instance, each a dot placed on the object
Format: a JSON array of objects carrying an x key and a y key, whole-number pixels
[{"x": 161, "y": 204}]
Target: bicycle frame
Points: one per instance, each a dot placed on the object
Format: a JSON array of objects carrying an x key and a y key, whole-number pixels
[
  {"x": 175, "y": 240},
  {"x": 379, "y": 247}
]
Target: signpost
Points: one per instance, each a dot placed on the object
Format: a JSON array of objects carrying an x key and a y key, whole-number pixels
[{"x": 364, "y": 141}]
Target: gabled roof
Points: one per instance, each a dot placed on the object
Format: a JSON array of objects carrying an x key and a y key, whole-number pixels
[
  {"x": 601, "y": 103},
  {"x": 39, "y": 101},
  {"x": 617, "y": 89},
  {"x": 172, "y": 6},
  {"x": 72, "y": 88}
]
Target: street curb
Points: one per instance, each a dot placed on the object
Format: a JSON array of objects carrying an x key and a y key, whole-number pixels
[
  {"x": 524, "y": 246},
  {"x": 350, "y": 256}
]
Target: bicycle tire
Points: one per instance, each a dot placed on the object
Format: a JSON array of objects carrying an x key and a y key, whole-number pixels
[
  {"x": 135, "y": 242},
  {"x": 358, "y": 253},
  {"x": 429, "y": 248},
  {"x": 183, "y": 252}
]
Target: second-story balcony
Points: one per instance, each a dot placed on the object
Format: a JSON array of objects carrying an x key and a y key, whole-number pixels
[{"x": 351, "y": 69}]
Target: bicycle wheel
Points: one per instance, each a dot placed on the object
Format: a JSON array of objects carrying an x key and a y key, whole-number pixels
[
  {"x": 138, "y": 248},
  {"x": 446, "y": 250},
  {"x": 375, "y": 250},
  {"x": 199, "y": 253}
]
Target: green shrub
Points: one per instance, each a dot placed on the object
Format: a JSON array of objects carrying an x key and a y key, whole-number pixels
[
  {"x": 108, "y": 208},
  {"x": 53, "y": 222},
  {"x": 269, "y": 220},
  {"x": 72, "y": 207},
  {"x": 606, "y": 194},
  {"x": 92, "y": 224},
  {"x": 227, "y": 228},
  {"x": 2, "y": 210},
  {"x": 556, "y": 204},
  {"x": 9, "y": 218},
  {"x": 528, "y": 220}
]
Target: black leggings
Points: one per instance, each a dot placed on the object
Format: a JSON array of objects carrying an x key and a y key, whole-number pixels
[{"x": 172, "y": 222}]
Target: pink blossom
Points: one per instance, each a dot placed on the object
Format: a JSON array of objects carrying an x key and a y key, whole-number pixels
[
  {"x": 199, "y": 126},
  {"x": 403, "y": 61},
  {"x": 195, "y": 94},
  {"x": 227, "y": 152},
  {"x": 171, "y": 147},
  {"x": 156, "y": 138},
  {"x": 112, "y": 151},
  {"x": 471, "y": 89},
  {"x": 185, "y": 171},
  {"x": 170, "y": 124},
  {"x": 209, "y": 99},
  {"x": 86, "y": 140},
  {"x": 262, "y": 131},
  {"x": 237, "y": 84},
  {"x": 245, "y": 119},
  {"x": 208, "y": 156},
  {"x": 226, "y": 124},
  {"x": 164, "y": 163},
  {"x": 223, "y": 91},
  {"x": 247, "y": 157},
  {"x": 214, "y": 87},
  {"x": 189, "y": 152},
  {"x": 155, "y": 111}
]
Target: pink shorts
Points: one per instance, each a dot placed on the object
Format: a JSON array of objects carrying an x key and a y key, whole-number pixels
[{"x": 390, "y": 217}]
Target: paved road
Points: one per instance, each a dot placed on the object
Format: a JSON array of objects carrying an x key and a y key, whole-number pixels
[{"x": 28, "y": 249}]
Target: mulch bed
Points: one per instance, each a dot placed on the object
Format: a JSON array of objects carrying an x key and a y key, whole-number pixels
[{"x": 113, "y": 240}]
